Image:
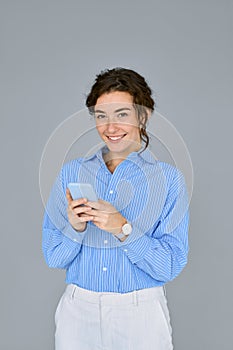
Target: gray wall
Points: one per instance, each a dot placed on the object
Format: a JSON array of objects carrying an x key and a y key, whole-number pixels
[{"x": 50, "y": 53}]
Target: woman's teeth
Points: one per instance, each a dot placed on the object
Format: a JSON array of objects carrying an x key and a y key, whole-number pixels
[{"x": 115, "y": 138}]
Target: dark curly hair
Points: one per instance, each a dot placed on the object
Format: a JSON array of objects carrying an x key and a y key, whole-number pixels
[{"x": 127, "y": 80}]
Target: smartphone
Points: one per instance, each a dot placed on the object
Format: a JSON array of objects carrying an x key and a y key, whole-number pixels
[{"x": 82, "y": 190}]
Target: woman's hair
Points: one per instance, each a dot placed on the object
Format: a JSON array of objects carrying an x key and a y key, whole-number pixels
[{"x": 127, "y": 80}]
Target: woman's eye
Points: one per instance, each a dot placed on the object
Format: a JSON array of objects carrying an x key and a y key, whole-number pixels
[
  {"x": 100, "y": 116},
  {"x": 123, "y": 114}
]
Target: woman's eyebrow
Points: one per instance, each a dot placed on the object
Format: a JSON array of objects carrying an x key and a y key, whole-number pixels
[
  {"x": 122, "y": 109},
  {"x": 99, "y": 111},
  {"x": 116, "y": 111}
]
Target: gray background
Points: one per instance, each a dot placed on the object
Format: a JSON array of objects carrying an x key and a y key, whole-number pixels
[{"x": 50, "y": 53}]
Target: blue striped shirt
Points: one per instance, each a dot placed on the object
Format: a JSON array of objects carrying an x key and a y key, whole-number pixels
[{"x": 151, "y": 195}]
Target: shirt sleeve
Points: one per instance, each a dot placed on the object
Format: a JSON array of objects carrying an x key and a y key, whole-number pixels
[
  {"x": 162, "y": 253},
  {"x": 60, "y": 242}
]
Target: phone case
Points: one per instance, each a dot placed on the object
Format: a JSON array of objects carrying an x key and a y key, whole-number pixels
[{"x": 82, "y": 190}]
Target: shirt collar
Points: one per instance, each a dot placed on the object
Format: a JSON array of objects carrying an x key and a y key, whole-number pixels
[{"x": 146, "y": 155}]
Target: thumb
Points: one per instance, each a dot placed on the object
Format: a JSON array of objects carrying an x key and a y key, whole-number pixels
[{"x": 68, "y": 196}]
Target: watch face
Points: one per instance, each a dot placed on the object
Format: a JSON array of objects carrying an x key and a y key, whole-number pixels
[{"x": 127, "y": 229}]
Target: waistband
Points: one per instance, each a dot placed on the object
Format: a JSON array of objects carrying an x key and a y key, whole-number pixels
[{"x": 111, "y": 298}]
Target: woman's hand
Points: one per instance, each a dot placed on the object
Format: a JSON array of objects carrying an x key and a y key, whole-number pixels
[
  {"x": 106, "y": 217},
  {"x": 78, "y": 213}
]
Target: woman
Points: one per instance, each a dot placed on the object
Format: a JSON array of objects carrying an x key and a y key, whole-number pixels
[{"x": 120, "y": 251}]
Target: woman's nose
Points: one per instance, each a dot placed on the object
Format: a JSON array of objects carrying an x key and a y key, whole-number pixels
[
  {"x": 112, "y": 125},
  {"x": 112, "y": 128}
]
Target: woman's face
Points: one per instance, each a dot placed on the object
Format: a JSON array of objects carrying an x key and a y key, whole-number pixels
[{"x": 117, "y": 122}]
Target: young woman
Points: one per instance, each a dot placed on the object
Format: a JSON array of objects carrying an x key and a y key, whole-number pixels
[{"x": 119, "y": 251}]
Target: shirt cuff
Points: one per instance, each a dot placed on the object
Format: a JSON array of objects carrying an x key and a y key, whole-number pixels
[
  {"x": 71, "y": 233},
  {"x": 136, "y": 250}
]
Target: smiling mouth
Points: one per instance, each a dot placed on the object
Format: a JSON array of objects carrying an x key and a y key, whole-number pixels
[{"x": 115, "y": 138}]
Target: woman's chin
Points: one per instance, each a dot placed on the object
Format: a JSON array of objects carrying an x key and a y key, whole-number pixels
[{"x": 123, "y": 147}]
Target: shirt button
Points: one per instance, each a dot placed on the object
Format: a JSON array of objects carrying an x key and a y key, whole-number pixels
[
  {"x": 125, "y": 250},
  {"x": 105, "y": 241},
  {"x": 104, "y": 268},
  {"x": 111, "y": 191}
]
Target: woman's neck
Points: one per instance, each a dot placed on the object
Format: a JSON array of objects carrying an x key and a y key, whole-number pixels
[{"x": 112, "y": 161}]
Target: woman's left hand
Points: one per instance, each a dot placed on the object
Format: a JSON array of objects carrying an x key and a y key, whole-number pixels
[{"x": 106, "y": 217}]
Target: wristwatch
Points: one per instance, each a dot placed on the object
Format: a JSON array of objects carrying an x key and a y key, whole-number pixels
[{"x": 126, "y": 230}]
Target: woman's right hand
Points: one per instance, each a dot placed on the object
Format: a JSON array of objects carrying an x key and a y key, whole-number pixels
[{"x": 77, "y": 212}]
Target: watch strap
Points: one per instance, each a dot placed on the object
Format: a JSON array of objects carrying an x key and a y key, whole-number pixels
[{"x": 120, "y": 235}]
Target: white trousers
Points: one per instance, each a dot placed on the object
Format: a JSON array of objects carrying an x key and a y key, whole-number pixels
[{"x": 138, "y": 320}]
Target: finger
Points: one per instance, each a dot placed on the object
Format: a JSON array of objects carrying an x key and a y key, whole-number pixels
[
  {"x": 97, "y": 219},
  {"x": 85, "y": 218},
  {"x": 77, "y": 219},
  {"x": 94, "y": 205},
  {"x": 102, "y": 206},
  {"x": 81, "y": 209},
  {"x": 68, "y": 196},
  {"x": 103, "y": 211},
  {"x": 96, "y": 213},
  {"x": 83, "y": 215},
  {"x": 78, "y": 202}
]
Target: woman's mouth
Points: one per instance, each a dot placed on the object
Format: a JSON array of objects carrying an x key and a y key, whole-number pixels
[{"x": 115, "y": 138}]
